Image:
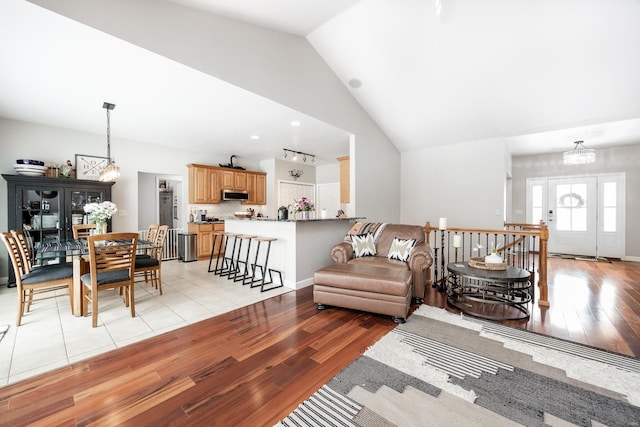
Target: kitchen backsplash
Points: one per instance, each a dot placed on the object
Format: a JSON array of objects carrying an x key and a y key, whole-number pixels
[{"x": 225, "y": 209}]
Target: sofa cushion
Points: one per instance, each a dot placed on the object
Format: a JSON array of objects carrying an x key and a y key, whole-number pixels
[
  {"x": 372, "y": 279},
  {"x": 401, "y": 249},
  {"x": 375, "y": 228},
  {"x": 399, "y": 231},
  {"x": 363, "y": 245}
]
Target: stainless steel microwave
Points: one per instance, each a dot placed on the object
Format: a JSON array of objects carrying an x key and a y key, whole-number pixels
[{"x": 235, "y": 195}]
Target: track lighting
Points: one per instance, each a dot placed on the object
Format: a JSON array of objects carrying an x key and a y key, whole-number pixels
[{"x": 295, "y": 155}]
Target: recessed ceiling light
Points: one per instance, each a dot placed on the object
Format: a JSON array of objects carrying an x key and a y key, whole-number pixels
[
  {"x": 255, "y": 136},
  {"x": 355, "y": 83},
  {"x": 295, "y": 123}
]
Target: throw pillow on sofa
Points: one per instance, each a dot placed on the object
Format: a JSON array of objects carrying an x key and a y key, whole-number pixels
[
  {"x": 362, "y": 228},
  {"x": 401, "y": 249},
  {"x": 363, "y": 245}
]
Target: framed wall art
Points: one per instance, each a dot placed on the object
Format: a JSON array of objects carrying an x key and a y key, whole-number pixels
[{"x": 89, "y": 167}]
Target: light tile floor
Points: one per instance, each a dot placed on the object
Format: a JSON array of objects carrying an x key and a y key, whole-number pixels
[{"x": 50, "y": 337}]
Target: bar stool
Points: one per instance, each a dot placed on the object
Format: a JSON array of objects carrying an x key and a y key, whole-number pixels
[
  {"x": 228, "y": 260},
  {"x": 238, "y": 261},
  {"x": 264, "y": 268},
  {"x": 216, "y": 235}
]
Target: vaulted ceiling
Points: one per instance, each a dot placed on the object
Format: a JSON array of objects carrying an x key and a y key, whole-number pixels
[{"x": 537, "y": 73}]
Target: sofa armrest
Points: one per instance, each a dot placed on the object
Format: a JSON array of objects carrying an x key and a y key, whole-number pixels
[
  {"x": 420, "y": 260},
  {"x": 342, "y": 252},
  {"x": 421, "y": 257}
]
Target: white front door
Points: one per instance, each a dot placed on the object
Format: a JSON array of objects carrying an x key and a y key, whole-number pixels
[
  {"x": 585, "y": 215},
  {"x": 572, "y": 215}
]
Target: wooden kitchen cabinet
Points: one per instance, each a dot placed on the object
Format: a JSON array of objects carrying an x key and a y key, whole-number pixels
[
  {"x": 257, "y": 188},
  {"x": 345, "y": 183},
  {"x": 206, "y": 183},
  {"x": 234, "y": 180},
  {"x": 240, "y": 181},
  {"x": 205, "y": 238},
  {"x": 227, "y": 179}
]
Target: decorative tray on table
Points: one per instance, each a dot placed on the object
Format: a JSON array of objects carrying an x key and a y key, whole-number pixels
[{"x": 477, "y": 262}]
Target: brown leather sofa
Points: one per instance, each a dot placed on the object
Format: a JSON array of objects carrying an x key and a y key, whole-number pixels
[
  {"x": 419, "y": 262},
  {"x": 376, "y": 283}
]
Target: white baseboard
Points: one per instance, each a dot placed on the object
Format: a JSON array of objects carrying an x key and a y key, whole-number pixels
[{"x": 631, "y": 258}]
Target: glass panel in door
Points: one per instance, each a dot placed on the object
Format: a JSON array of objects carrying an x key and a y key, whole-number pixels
[{"x": 40, "y": 212}]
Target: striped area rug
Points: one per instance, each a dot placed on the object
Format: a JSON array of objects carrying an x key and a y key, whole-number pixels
[{"x": 444, "y": 369}]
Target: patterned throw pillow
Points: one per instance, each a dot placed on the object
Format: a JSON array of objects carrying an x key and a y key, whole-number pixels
[
  {"x": 401, "y": 249},
  {"x": 363, "y": 245},
  {"x": 375, "y": 228}
]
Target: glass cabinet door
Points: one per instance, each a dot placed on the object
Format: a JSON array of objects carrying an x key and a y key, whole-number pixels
[
  {"x": 40, "y": 210},
  {"x": 77, "y": 200}
]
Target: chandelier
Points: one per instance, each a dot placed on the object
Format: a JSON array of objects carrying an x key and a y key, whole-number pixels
[
  {"x": 111, "y": 172},
  {"x": 580, "y": 155}
]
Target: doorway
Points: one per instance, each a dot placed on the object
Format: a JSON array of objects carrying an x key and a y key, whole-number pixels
[{"x": 585, "y": 214}]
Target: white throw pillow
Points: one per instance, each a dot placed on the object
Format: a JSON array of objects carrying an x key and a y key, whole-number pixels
[
  {"x": 363, "y": 245},
  {"x": 401, "y": 249}
]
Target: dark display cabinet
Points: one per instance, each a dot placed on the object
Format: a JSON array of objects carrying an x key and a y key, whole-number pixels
[{"x": 46, "y": 208}]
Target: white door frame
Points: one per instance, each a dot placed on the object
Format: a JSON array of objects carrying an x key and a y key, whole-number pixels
[{"x": 609, "y": 243}]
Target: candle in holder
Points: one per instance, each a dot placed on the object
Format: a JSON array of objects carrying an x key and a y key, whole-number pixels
[
  {"x": 443, "y": 224},
  {"x": 457, "y": 241}
]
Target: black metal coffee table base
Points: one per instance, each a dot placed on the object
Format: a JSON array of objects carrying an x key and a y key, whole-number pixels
[{"x": 489, "y": 294}]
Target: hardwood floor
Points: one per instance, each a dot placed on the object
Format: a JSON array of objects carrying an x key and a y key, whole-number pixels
[{"x": 252, "y": 366}]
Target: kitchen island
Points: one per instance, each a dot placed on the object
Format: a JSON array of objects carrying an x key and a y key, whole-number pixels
[{"x": 303, "y": 246}]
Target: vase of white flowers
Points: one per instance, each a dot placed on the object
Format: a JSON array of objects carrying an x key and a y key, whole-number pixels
[{"x": 100, "y": 213}]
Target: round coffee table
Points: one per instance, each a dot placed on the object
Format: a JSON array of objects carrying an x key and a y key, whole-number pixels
[{"x": 489, "y": 294}]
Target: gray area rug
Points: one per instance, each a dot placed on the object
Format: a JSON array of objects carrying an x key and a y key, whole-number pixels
[{"x": 442, "y": 369}]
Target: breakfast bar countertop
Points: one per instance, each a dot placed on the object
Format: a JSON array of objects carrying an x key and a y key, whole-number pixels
[
  {"x": 299, "y": 246},
  {"x": 351, "y": 218}
]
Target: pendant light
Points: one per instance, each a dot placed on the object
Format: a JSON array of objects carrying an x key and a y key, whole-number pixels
[
  {"x": 580, "y": 155},
  {"x": 111, "y": 172}
]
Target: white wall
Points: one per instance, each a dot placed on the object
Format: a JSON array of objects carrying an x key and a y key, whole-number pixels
[
  {"x": 462, "y": 182},
  {"x": 282, "y": 67}
]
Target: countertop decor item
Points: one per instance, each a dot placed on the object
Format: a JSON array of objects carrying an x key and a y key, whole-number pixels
[
  {"x": 304, "y": 205},
  {"x": 243, "y": 214}
]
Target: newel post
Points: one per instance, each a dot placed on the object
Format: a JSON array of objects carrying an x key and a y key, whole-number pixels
[
  {"x": 427, "y": 232},
  {"x": 543, "y": 301}
]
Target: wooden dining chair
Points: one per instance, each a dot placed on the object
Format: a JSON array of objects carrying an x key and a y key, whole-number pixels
[
  {"x": 25, "y": 245},
  {"x": 32, "y": 283},
  {"x": 150, "y": 236},
  {"x": 152, "y": 230},
  {"x": 112, "y": 258},
  {"x": 82, "y": 231},
  {"x": 151, "y": 268}
]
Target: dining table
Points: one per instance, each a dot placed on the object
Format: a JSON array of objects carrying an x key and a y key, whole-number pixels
[{"x": 78, "y": 251}]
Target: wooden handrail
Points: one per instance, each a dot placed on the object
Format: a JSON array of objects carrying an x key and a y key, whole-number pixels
[{"x": 540, "y": 231}]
